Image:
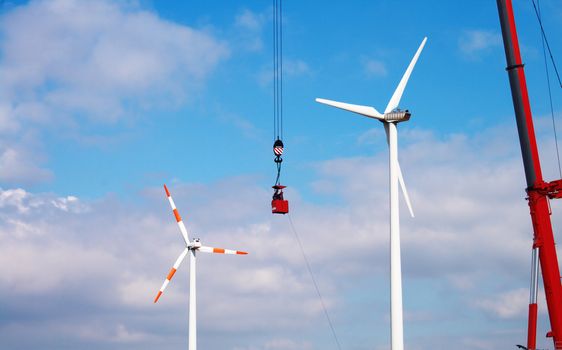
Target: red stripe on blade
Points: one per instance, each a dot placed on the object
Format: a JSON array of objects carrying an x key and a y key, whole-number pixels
[
  {"x": 171, "y": 274},
  {"x": 218, "y": 250},
  {"x": 157, "y": 297},
  {"x": 177, "y": 215},
  {"x": 167, "y": 192}
]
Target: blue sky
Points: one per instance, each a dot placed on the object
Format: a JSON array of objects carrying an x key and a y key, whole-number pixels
[{"x": 102, "y": 102}]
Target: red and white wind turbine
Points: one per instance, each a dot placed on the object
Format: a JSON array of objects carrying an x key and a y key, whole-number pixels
[
  {"x": 392, "y": 115},
  {"x": 191, "y": 248}
]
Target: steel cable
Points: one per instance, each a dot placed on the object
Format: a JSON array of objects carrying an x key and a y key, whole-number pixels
[{"x": 314, "y": 282}]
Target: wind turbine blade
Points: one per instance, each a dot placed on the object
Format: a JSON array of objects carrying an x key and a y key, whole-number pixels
[
  {"x": 395, "y": 100},
  {"x": 401, "y": 179},
  {"x": 171, "y": 273},
  {"x": 178, "y": 217},
  {"x": 363, "y": 110},
  {"x": 220, "y": 251},
  {"x": 405, "y": 191}
]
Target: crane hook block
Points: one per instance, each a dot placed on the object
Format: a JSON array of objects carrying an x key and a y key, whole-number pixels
[
  {"x": 278, "y": 148},
  {"x": 278, "y": 204}
]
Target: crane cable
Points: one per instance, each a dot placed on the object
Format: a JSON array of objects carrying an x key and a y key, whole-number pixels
[
  {"x": 545, "y": 41},
  {"x": 537, "y": 13},
  {"x": 314, "y": 282},
  {"x": 277, "y": 69},
  {"x": 278, "y": 86}
]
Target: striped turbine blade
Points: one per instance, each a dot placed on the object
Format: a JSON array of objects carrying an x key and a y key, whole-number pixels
[
  {"x": 221, "y": 251},
  {"x": 177, "y": 215},
  {"x": 171, "y": 274}
]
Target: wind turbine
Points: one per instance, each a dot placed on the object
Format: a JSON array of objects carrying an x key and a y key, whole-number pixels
[
  {"x": 191, "y": 248},
  {"x": 392, "y": 115}
]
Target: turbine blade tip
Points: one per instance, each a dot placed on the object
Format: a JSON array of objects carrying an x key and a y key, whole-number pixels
[
  {"x": 166, "y": 189},
  {"x": 241, "y": 253},
  {"x": 157, "y": 297}
]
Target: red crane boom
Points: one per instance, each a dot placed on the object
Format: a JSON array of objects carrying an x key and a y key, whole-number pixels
[{"x": 538, "y": 191}]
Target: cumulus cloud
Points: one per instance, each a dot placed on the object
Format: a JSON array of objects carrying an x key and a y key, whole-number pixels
[
  {"x": 292, "y": 68},
  {"x": 374, "y": 68},
  {"x": 22, "y": 201},
  {"x": 68, "y": 63},
  {"x": 92, "y": 56},
  {"x": 473, "y": 43},
  {"x": 249, "y": 30},
  {"x": 249, "y": 20},
  {"x": 509, "y": 304},
  {"x": 19, "y": 165},
  {"x": 88, "y": 271}
]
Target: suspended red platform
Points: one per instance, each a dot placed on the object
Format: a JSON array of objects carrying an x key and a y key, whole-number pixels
[{"x": 278, "y": 204}]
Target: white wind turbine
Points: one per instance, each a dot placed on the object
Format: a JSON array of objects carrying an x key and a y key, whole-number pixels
[
  {"x": 191, "y": 247},
  {"x": 392, "y": 116}
]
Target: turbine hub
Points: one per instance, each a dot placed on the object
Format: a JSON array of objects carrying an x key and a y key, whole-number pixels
[{"x": 397, "y": 116}]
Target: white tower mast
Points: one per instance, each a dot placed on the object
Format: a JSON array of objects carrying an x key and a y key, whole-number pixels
[
  {"x": 392, "y": 116},
  {"x": 192, "y": 301}
]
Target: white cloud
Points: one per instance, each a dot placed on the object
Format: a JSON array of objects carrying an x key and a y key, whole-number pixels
[
  {"x": 249, "y": 30},
  {"x": 474, "y": 43},
  {"x": 467, "y": 249},
  {"x": 296, "y": 67},
  {"x": 19, "y": 165},
  {"x": 66, "y": 61},
  {"x": 92, "y": 56},
  {"x": 374, "y": 68},
  {"x": 24, "y": 202},
  {"x": 250, "y": 20},
  {"x": 7, "y": 120},
  {"x": 292, "y": 68},
  {"x": 510, "y": 304},
  {"x": 14, "y": 198}
]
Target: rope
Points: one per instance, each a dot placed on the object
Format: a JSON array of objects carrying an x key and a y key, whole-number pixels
[
  {"x": 281, "y": 66},
  {"x": 314, "y": 282},
  {"x": 274, "y": 32},
  {"x": 277, "y": 69},
  {"x": 537, "y": 13},
  {"x": 277, "y": 81},
  {"x": 543, "y": 37},
  {"x": 278, "y": 173}
]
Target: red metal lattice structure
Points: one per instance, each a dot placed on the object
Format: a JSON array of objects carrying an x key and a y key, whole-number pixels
[{"x": 538, "y": 191}]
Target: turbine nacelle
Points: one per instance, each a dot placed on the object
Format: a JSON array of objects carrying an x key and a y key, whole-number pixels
[
  {"x": 397, "y": 116},
  {"x": 195, "y": 244}
]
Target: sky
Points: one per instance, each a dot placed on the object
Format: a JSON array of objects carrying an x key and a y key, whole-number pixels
[{"x": 101, "y": 103}]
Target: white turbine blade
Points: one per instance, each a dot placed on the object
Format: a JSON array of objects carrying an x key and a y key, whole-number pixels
[
  {"x": 171, "y": 273},
  {"x": 405, "y": 191},
  {"x": 178, "y": 217},
  {"x": 220, "y": 251},
  {"x": 395, "y": 100},
  {"x": 401, "y": 179},
  {"x": 363, "y": 110}
]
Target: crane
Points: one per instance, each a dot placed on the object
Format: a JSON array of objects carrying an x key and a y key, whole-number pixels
[{"x": 539, "y": 191}]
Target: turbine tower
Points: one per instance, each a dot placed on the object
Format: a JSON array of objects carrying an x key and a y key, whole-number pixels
[
  {"x": 191, "y": 247},
  {"x": 392, "y": 115}
]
